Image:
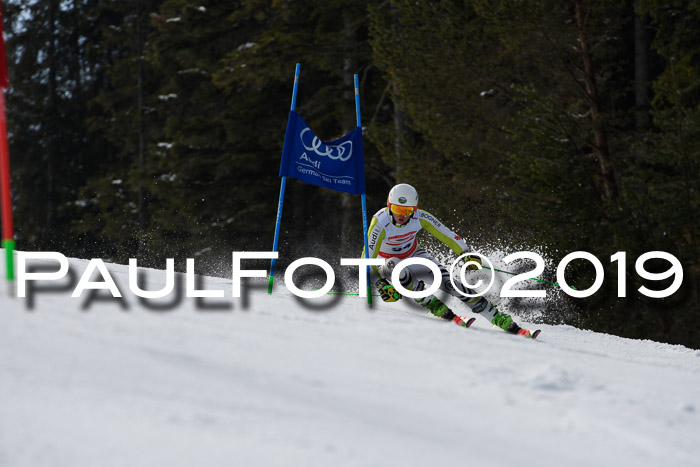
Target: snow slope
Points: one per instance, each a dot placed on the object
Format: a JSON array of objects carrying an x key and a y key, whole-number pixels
[{"x": 272, "y": 380}]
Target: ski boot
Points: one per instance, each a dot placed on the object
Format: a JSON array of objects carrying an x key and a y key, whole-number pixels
[
  {"x": 505, "y": 322},
  {"x": 432, "y": 303}
]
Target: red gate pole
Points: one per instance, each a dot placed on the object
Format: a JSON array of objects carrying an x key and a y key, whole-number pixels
[{"x": 8, "y": 237}]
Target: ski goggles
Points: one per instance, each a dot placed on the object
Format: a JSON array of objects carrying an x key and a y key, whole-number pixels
[{"x": 402, "y": 210}]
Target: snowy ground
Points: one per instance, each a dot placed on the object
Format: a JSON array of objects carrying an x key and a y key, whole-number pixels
[{"x": 270, "y": 381}]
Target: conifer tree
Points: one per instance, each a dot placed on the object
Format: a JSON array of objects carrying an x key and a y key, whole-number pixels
[
  {"x": 122, "y": 117},
  {"x": 51, "y": 83},
  {"x": 329, "y": 40}
]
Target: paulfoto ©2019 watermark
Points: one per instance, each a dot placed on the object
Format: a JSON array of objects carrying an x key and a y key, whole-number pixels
[{"x": 106, "y": 282}]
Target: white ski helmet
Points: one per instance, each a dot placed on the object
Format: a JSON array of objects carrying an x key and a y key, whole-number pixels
[{"x": 402, "y": 200}]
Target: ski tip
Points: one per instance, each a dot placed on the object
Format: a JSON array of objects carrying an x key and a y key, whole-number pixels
[
  {"x": 460, "y": 321},
  {"x": 526, "y": 333}
]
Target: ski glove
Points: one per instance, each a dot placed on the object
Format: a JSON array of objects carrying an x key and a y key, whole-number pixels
[
  {"x": 474, "y": 258},
  {"x": 387, "y": 291}
]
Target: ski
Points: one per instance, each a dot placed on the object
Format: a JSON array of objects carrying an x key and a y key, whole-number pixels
[
  {"x": 458, "y": 320},
  {"x": 448, "y": 315},
  {"x": 461, "y": 321},
  {"x": 526, "y": 333}
]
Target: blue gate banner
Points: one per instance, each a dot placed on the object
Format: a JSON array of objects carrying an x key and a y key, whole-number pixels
[{"x": 338, "y": 165}]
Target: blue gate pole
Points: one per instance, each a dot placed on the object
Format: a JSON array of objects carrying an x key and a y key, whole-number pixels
[
  {"x": 282, "y": 187},
  {"x": 364, "y": 197}
]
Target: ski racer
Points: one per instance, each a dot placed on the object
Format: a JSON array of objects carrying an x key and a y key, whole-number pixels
[{"x": 392, "y": 235}]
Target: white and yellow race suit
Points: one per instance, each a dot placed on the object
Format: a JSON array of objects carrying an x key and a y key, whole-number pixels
[
  {"x": 388, "y": 240},
  {"x": 398, "y": 242}
]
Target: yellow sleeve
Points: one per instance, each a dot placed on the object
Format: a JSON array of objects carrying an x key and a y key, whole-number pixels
[
  {"x": 442, "y": 233},
  {"x": 375, "y": 239}
]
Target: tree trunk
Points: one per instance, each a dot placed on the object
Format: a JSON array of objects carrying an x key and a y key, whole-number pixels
[
  {"x": 142, "y": 194},
  {"x": 77, "y": 156},
  {"x": 52, "y": 112},
  {"x": 400, "y": 127},
  {"x": 400, "y": 136},
  {"x": 600, "y": 140},
  {"x": 349, "y": 212},
  {"x": 641, "y": 71}
]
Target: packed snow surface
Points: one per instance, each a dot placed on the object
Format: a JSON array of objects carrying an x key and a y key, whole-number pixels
[{"x": 273, "y": 380}]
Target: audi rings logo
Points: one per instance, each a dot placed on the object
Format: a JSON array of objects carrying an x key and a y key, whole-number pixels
[{"x": 341, "y": 152}]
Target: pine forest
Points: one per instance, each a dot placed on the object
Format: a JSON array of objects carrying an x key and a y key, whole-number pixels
[{"x": 153, "y": 129}]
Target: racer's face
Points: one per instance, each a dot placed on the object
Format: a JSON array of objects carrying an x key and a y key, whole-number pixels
[
  {"x": 400, "y": 220},
  {"x": 401, "y": 213}
]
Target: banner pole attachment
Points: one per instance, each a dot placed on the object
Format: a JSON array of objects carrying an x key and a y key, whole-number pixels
[
  {"x": 364, "y": 197},
  {"x": 282, "y": 188}
]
